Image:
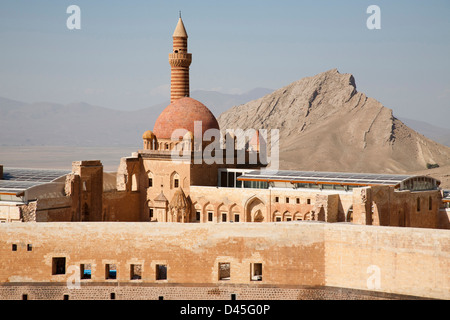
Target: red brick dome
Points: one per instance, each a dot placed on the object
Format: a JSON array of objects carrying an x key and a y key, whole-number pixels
[{"x": 181, "y": 114}]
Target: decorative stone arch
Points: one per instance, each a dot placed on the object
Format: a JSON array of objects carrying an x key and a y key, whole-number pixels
[
  {"x": 150, "y": 179},
  {"x": 173, "y": 177},
  {"x": 197, "y": 207},
  {"x": 222, "y": 208},
  {"x": 286, "y": 216},
  {"x": 298, "y": 216},
  {"x": 233, "y": 210},
  {"x": 208, "y": 207},
  {"x": 307, "y": 216},
  {"x": 277, "y": 216},
  {"x": 255, "y": 210}
]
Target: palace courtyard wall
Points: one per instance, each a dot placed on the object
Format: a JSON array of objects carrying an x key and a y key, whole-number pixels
[{"x": 296, "y": 260}]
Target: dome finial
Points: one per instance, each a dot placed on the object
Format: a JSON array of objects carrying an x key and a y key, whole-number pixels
[{"x": 180, "y": 14}]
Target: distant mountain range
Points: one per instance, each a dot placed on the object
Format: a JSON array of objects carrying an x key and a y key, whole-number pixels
[{"x": 82, "y": 124}]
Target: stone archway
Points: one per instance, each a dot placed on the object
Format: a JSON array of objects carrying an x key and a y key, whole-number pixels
[{"x": 255, "y": 210}]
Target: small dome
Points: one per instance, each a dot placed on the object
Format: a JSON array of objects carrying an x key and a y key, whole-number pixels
[
  {"x": 148, "y": 135},
  {"x": 179, "y": 200},
  {"x": 181, "y": 114}
]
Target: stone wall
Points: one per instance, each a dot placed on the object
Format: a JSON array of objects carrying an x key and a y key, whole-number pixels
[{"x": 399, "y": 261}]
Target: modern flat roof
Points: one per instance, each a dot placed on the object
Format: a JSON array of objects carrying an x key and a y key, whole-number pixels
[
  {"x": 19, "y": 179},
  {"x": 446, "y": 195},
  {"x": 317, "y": 177}
]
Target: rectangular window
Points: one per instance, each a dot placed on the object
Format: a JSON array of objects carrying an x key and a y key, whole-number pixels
[
  {"x": 14, "y": 247},
  {"x": 210, "y": 216},
  {"x": 224, "y": 217},
  {"x": 135, "y": 272},
  {"x": 150, "y": 213},
  {"x": 308, "y": 201},
  {"x": 197, "y": 216},
  {"x": 176, "y": 183},
  {"x": 224, "y": 271},
  {"x": 29, "y": 247},
  {"x": 297, "y": 200},
  {"x": 59, "y": 265},
  {"x": 278, "y": 219},
  {"x": 112, "y": 296},
  {"x": 256, "y": 271},
  {"x": 287, "y": 200},
  {"x": 236, "y": 217},
  {"x": 85, "y": 271},
  {"x": 150, "y": 182},
  {"x": 161, "y": 272},
  {"x": 223, "y": 179},
  {"x": 231, "y": 179},
  {"x": 238, "y": 183},
  {"x": 277, "y": 199},
  {"x": 110, "y": 272}
]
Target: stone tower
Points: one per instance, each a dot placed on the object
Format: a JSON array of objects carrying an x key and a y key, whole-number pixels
[{"x": 179, "y": 60}]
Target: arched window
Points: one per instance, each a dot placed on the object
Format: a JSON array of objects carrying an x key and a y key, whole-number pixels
[
  {"x": 277, "y": 216},
  {"x": 150, "y": 179},
  {"x": 287, "y": 216},
  {"x": 175, "y": 180}
]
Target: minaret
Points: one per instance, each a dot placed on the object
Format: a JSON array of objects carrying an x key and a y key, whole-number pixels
[{"x": 179, "y": 60}]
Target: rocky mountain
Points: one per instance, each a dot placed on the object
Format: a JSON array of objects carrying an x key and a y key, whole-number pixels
[
  {"x": 325, "y": 124},
  {"x": 438, "y": 134}
]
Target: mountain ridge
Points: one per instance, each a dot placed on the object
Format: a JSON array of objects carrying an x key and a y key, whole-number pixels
[{"x": 327, "y": 125}]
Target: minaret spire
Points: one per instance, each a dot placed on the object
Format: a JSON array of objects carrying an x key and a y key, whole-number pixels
[{"x": 179, "y": 60}]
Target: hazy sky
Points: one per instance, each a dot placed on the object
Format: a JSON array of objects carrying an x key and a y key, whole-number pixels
[{"x": 119, "y": 57}]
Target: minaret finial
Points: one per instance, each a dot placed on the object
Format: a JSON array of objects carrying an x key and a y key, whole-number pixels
[{"x": 180, "y": 14}]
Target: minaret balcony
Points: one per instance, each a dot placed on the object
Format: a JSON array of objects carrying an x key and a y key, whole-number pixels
[{"x": 180, "y": 59}]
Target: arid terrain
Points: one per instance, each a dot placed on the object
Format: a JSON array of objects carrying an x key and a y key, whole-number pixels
[{"x": 325, "y": 124}]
